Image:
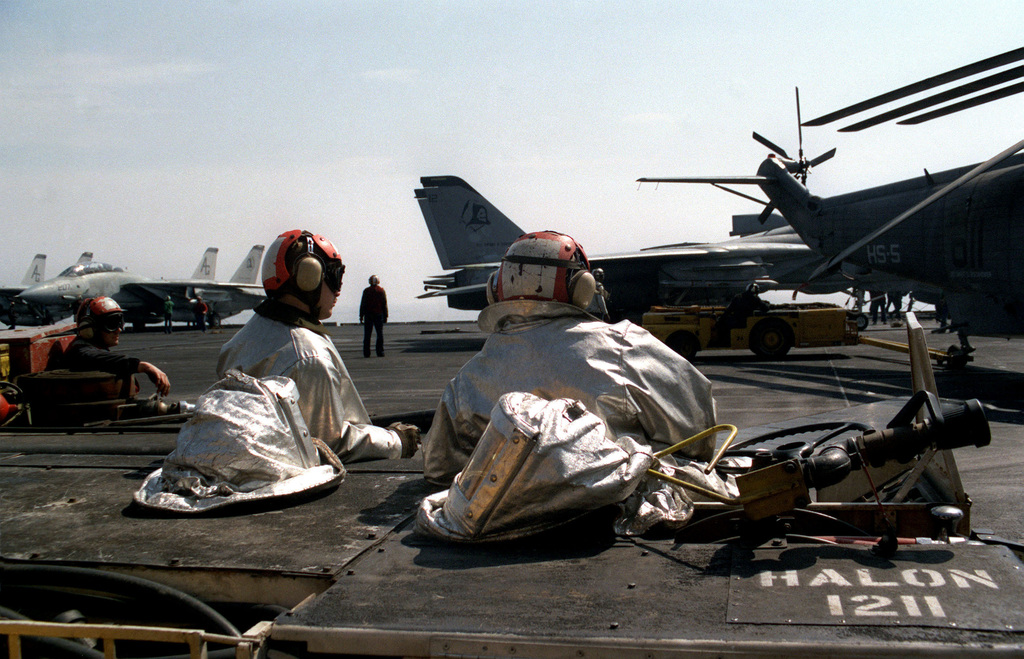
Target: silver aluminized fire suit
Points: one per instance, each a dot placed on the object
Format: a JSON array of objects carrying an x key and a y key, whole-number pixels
[
  {"x": 328, "y": 399},
  {"x": 631, "y": 380}
]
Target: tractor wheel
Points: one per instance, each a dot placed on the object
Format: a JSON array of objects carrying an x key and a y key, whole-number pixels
[
  {"x": 685, "y": 343},
  {"x": 771, "y": 338}
]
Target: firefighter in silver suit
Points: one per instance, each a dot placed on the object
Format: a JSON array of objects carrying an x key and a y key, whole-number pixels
[
  {"x": 542, "y": 341},
  {"x": 302, "y": 275}
]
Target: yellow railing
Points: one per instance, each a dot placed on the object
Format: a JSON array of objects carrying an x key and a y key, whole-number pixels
[{"x": 196, "y": 640}]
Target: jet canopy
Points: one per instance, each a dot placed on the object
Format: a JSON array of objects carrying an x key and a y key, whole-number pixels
[{"x": 80, "y": 269}]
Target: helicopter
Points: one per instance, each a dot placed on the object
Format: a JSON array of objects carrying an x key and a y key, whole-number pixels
[{"x": 957, "y": 230}]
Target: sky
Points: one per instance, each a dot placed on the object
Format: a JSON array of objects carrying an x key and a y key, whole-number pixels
[{"x": 147, "y": 130}]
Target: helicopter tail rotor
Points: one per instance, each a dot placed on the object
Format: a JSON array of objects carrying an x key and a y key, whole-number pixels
[{"x": 800, "y": 166}]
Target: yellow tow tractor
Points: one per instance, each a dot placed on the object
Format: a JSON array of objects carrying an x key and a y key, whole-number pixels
[
  {"x": 768, "y": 333},
  {"x": 773, "y": 330}
]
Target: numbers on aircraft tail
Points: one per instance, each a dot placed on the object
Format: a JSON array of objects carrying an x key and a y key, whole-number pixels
[{"x": 882, "y": 254}]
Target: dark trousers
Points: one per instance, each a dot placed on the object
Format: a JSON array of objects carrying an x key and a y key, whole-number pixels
[
  {"x": 371, "y": 322},
  {"x": 876, "y": 304}
]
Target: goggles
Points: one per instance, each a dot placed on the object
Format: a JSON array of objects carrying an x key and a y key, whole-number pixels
[
  {"x": 110, "y": 322},
  {"x": 333, "y": 274}
]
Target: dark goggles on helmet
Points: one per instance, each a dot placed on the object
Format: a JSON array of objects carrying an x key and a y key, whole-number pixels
[
  {"x": 110, "y": 322},
  {"x": 333, "y": 274}
]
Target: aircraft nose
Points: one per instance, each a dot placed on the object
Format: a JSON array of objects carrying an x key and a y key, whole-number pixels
[{"x": 39, "y": 295}]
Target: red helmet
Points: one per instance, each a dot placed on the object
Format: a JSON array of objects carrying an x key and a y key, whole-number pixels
[
  {"x": 298, "y": 262},
  {"x": 99, "y": 312},
  {"x": 545, "y": 265}
]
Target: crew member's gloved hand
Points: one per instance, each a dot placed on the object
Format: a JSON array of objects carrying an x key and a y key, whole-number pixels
[
  {"x": 410, "y": 436},
  {"x": 158, "y": 377}
]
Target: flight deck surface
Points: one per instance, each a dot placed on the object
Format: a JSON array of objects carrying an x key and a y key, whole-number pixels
[{"x": 359, "y": 580}]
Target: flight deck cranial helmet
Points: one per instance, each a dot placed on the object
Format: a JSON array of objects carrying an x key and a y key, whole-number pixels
[
  {"x": 544, "y": 265},
  {"x": 298, "y": 262},
  {"x": 101, "y": 313}
]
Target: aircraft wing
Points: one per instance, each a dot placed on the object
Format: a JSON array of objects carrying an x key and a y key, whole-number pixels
[
  {"x": 145, "y": 299},
  {"x": 473, "y": 289},
  {"x": 187, "y": 289}
]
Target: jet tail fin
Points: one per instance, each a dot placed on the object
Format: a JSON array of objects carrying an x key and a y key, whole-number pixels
[
  {"x": 86, "y": 257},
  {"x": 466, "y": 228},
  {"x": 36, "y": 270},
  {"x": 249, "y": 270},
  {"x": 207, "y": 268}
]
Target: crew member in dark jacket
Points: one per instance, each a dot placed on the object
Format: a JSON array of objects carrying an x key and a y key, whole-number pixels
[
  {"x": 373, "y": 313},
  {"x": 100, "y": 321}
]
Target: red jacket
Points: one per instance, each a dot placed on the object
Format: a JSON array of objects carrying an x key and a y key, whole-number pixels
[{"x": 374, "y": 302}]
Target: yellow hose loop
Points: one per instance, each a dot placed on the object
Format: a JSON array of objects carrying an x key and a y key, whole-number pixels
[{"x": 722, "y": 427}]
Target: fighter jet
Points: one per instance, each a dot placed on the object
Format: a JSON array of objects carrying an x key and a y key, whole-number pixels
[
  {"x": 15, "y": 311},
  {"x": 470, "y": 236},
  {"x": 143, "y": 298}
]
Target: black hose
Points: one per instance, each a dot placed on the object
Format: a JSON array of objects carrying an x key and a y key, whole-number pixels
[
  {"x": 54, "y": 647},
  {"x": 150, "y": 592},
  {"x": 60, "y": 647}
]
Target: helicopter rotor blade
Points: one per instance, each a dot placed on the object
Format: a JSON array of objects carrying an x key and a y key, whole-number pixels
[
  {"x": 923, "y": 85},
  {"x": 771, "y": 145},
  {"x": 822, "y": 158},
  {"x": 963, "y": 105},
  {"x": 799, "y": 128},
  {"x": 948, "y": 95},
  {"x": 969, "y": 176},
  {"x": 766, "y": 213}
]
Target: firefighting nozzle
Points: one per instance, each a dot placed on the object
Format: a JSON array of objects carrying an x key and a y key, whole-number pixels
[
  {"x": 947, "y": 517},
  {"x": 155, "y": 406},
  {"x": 953, "y": 424},
  {"x": 177, "y": 407}
]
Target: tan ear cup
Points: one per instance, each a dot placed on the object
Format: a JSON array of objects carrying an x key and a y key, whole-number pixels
[
  {"x": 582, "y": 287},
  {"x": 308, "y": 273},
  {"x": 492, "y": 285},
  {"x": 86, "y": 330}
]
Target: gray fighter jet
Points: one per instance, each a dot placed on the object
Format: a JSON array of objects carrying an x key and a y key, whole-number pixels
[
  {"x": 470, "y": 236},
  {"x": 142, "y": 298},
  {"x": 15, "y": 311}
]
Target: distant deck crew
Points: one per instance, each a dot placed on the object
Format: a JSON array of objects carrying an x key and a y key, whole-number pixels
[
  {"x": 168, "y": 314},
  {"x": 741, "y": 307},
  {"x": 199, "y": 310},
  {"x": 878, "y": 302},
  {"x": 373, "y": 314}
]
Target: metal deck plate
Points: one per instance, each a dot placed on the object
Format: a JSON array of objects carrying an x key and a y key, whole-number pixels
[
  {"x": 540, "y": 596},
  {"x": 962, "y": 587},
  {"x": 86, "y": 515},
  {"x": 572, "y": 584}
]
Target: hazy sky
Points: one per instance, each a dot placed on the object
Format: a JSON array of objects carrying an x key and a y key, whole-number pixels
[{"x": 145, "y": 131}]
